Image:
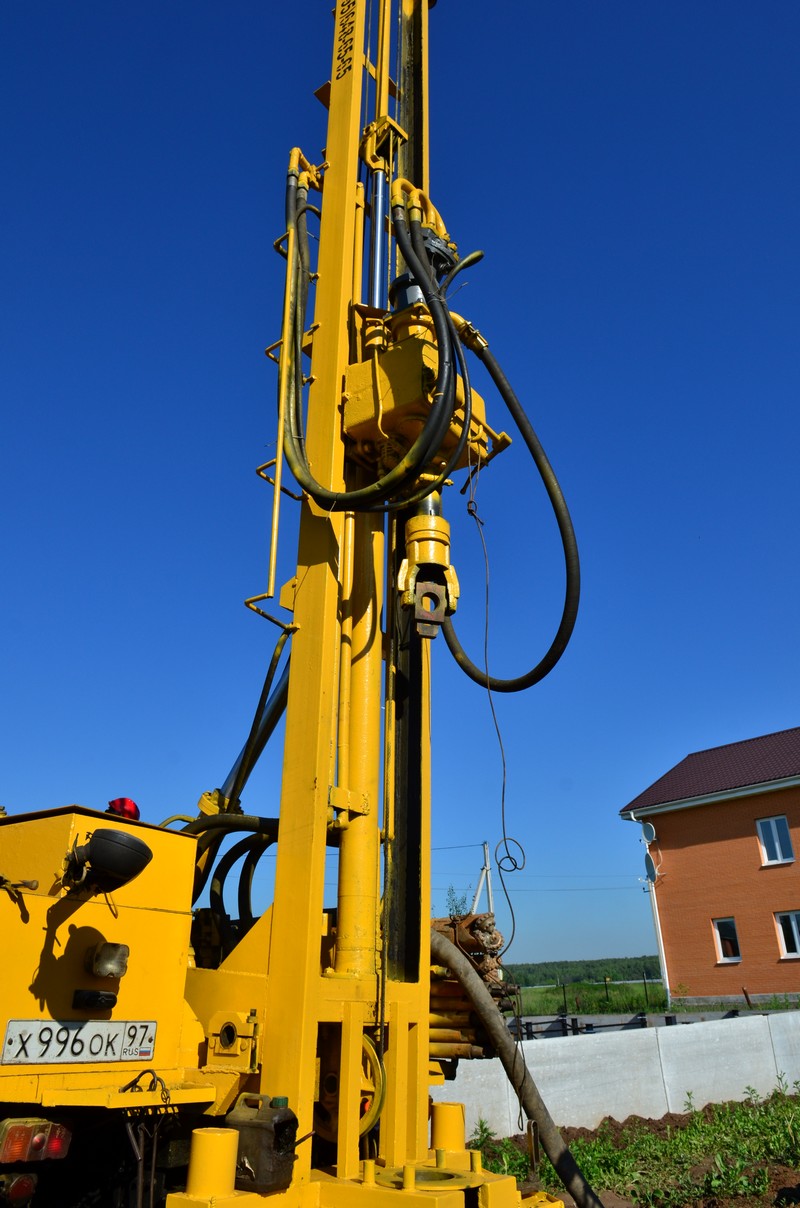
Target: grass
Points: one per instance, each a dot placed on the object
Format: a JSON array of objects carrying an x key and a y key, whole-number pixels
[
  {"x": 723, "y": 1151},
  {"x": 625, "y": 998},
  {"x": 588, "y": 998}
]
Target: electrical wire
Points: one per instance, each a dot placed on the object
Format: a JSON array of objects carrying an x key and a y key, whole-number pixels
[{"x": 507, "y": 862}]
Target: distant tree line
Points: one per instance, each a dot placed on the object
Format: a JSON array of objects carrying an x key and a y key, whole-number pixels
[{"x": 565, "y": 973}]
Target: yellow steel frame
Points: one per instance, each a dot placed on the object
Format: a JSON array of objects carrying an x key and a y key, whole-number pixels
[{"x": 333, "y": 772}]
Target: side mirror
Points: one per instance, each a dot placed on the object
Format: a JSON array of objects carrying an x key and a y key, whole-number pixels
[{"x": 108, "y": 861}]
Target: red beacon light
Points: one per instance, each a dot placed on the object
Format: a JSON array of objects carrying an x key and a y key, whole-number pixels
[{"x": 123, "y": 807}]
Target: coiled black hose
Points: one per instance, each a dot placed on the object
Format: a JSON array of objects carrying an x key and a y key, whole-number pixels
[
  {"x": 569, "y": 544},
  {"x": 247, "y": 846},
  {"x": 390, "y": 491},
  {"x": 257, "y": 850},
  {"x": 212, "y": 829},
  {"x": 386, "y": 493}
]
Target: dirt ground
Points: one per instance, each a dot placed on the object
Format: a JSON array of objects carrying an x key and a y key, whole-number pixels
[{"x": 783, "y": 1190}]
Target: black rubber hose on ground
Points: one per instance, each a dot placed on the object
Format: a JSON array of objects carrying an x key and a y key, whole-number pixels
[{"x": 443, "y": 952}]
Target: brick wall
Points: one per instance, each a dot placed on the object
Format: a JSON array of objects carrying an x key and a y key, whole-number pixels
[{"x": 710, "y": 866}]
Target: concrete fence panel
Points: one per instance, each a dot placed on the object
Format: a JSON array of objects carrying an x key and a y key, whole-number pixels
[
  {"x": 644, "y": 1073},
  {"x": 584, "y": 1078},
  {"x": 784, "y": 1030},
  {"x": 715, "y": 1061}
]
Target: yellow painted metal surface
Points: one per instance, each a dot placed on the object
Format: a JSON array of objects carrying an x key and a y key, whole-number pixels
[
  {"x": 389, "y": 399},
  {"x": 49, "y": 935}
]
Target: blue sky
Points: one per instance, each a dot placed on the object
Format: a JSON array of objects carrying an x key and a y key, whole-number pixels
[{"x": 631, "y": 172}]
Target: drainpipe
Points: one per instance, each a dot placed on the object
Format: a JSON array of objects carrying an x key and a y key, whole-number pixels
[{"x": 662, "y": 956}]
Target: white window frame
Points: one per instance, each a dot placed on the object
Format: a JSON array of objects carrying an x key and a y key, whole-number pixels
[
  {"x": 794, "y": 923},
  {"x": 721, "y": 958},
  {"x": 769, "y": 826}
]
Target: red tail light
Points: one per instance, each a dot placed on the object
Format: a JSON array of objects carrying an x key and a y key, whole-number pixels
[
  {"x": 32, "y": 1140},
  {"x": 14, "y": 1143},
  {"x": 58, "y": 1141},
  {"x": 19, "y": 1188}
]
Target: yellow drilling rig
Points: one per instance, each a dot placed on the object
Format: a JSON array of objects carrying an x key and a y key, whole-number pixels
[{"x": 160, "y": 1052}]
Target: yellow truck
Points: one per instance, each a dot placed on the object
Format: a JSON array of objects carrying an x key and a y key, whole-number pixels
[{"x": 162, "y": 1042}]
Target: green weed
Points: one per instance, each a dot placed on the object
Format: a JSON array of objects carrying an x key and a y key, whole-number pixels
[
  {"x": 722, "y": 1150},
  {"x": 499, "y": 1156}
]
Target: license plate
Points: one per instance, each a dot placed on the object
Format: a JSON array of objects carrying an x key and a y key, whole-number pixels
[{"x": 76, "y": 1041}]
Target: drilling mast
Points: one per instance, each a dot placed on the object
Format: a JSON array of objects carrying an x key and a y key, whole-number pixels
[
  {"x": 302, "y": 1034},
  {"x": 351, "y": 779}
]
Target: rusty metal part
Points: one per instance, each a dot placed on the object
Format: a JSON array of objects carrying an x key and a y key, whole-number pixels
[
  {"x": 430, "y": 608},
  {"x": 455, "y": 1029},
  {"x": 472, "y": 933},
  {"x": 446, "y": 1052}
]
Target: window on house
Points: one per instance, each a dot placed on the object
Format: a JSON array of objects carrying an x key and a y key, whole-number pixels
[
  {"x": 776, "y": 843},
  {"x": 789, "y": 932},
  {"x": 727, "y": 940}
]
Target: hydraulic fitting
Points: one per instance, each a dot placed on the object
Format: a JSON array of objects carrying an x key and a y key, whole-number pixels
[{"x": 427, "y": 580}]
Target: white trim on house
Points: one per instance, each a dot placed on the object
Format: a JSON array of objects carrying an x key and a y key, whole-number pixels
[{"x": 747, "y": 790}]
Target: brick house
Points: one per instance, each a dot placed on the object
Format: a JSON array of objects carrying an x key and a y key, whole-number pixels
[{"x": 722, "y": 830}]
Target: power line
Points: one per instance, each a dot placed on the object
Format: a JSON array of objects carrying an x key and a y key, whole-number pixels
[
  {"x": 457, "y": 847},
  {"x": 570, "y": 889}
]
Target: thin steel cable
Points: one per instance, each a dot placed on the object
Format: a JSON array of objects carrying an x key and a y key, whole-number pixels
[{"x": 507, "y": 862}]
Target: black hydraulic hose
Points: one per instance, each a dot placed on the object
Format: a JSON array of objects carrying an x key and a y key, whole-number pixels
[
  {"x": 418, "y": 244},
  {"x": 423, "y": 266},
  {"x": 270, "y": 716},
  {"x": 568, "y": 542},
  {"x": 373, "y": 497},
  {"x": 443, "y": 952},
  {"x": 245, "y": 888},
  {"x": 422, "y": 272},
  {"x": 437, "y": 483},
  {"x": 245, "y": 766},
  {"x": 217, "y": 897},
  {"x": 217, "y": 892},
  {"x": 302, "y": 284},
  {"x": 208, "y": 846},
  {"x": 409, "y": 467},
  {"x": 212, "y": 829},
  {"x": 232, "y": 822}
]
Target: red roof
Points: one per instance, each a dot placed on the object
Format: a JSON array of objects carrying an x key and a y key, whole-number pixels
[{"x": 723, "y": 769}]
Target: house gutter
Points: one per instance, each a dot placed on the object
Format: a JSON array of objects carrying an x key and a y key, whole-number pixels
[{"x": 748, "y": 790}]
